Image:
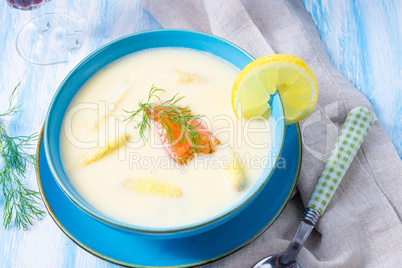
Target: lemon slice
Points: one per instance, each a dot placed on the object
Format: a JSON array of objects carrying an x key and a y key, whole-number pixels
[{"x": 289, "y": 75}]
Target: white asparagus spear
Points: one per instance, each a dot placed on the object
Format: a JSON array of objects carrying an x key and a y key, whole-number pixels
[
  {"x": 97, "y": 153},
  {"x": 233, "y": 173},
  {"x": 115, "y": 98},
  {"x": 185, "y": 78},
  {"x": 153, "y": 187}
]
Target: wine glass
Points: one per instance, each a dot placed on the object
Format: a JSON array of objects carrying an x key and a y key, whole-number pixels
[{"x": 48, "y": 38}]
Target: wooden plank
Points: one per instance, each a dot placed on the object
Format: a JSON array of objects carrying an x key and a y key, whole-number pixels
[{"x": 363, "y": 39}]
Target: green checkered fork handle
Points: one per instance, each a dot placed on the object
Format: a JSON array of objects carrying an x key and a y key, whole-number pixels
[{"x": 350, "y": 138}]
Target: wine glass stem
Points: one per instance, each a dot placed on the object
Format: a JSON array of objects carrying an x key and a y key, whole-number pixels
[{"x": 41, "y": 20}]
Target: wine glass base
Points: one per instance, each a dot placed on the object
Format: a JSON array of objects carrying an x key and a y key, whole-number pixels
[{"x": 49, "y": 39}]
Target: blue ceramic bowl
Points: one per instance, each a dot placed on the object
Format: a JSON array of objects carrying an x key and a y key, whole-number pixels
[{"x": 123, "y": 47}]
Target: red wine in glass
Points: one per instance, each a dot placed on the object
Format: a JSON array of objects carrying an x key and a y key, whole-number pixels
[{"x": 26, "y": 4}]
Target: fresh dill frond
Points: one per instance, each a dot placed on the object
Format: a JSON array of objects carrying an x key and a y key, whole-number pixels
[
  {"x": 21, "y": 203},
  {"x": 12, "y": 108},
  {"x": 170, "y": 114}
]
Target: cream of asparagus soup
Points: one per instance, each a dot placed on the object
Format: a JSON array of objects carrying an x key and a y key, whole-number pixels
[{"x": 152, "y": 140}]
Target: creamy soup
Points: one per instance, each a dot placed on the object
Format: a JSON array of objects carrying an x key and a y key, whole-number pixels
[{"x": 136, "y": 181}]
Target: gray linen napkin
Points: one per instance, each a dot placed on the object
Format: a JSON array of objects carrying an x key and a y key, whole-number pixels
[{"x": 362, "y": 225}]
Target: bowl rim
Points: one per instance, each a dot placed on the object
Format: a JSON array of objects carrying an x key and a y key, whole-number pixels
[{"x": 93, "y": 212}]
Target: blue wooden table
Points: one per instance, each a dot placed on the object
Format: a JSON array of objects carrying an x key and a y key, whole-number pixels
[{"x": 363, "y": 41}]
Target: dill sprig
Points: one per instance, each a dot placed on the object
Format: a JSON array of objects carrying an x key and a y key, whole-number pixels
[
  {"x": 170, "y": 114},
  {"x": 21, "y": 203},
  {"x": 12, "y": 108}
]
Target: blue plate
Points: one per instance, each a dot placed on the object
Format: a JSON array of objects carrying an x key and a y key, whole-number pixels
[{"x": 135, "y": 250}]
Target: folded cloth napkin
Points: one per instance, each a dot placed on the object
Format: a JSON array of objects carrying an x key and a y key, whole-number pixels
[{"x": 362, "y": 225}]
